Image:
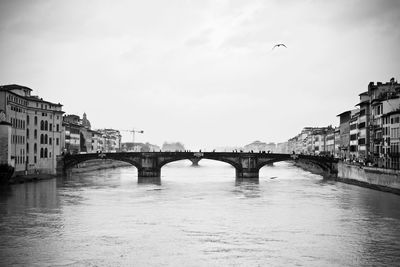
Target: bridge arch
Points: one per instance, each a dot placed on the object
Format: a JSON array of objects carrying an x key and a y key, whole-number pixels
[
  {"x": 72, "y": 161},
  {"x": 325, "y": 167},
  {"x": 236, "y": 165}
]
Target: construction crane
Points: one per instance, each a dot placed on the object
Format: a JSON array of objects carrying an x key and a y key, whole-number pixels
[{"x": 133, "y": 132}]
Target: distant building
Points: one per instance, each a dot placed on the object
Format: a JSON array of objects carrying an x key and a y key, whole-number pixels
[
  {"x": 393, "y": 152},
  {"x": 79, "y": 137},
  {"x": 175, "y": 146},
  {"x": 257, "y": 146},
  {"x": 139, "y": 147},
  {"x": 282, "y": 148},
  {"x": 72, "y": 134},
  {"x": 354, "y": 133},
  {"x": 110, "y": 140},
  {"x": 35, "y": 129},
  {"x": 344, "y": 132},
  {"x": 363, "y": 127},
  {"x": 330, "y": 142},
  {"x": 311, "y": 141}
]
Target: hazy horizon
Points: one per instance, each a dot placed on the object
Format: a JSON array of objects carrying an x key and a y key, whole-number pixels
[{"x": 201, "y": 72}]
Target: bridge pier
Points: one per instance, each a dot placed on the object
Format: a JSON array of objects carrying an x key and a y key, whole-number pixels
[
  {"x": 195, "y": 161},
  {"x": 149, "y": 173},
  {"x": 252, "y": 173}
]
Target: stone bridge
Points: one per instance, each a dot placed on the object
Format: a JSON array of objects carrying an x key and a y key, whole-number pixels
[{"x": 247, "y": 165}]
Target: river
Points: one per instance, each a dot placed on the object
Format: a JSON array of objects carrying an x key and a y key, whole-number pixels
[{"x": 198, "y": 216}]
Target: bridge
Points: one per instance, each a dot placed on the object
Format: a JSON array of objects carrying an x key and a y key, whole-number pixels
[{"x": 247, "y": 165}]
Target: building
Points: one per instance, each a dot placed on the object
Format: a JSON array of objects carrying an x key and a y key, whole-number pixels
[
  {"x": 312, "y": 141},
  {"x": 172, "y": 147},
  {"x": 257, "y": 146},
  {"x": 363, "y": 127},
  {"x": 72, "y": 134},
  {"x": 282, "y": 148},
  {"x": 35, "y": 129},
  {"x": 344, "y": 132},
  {"x": 79, "y": 137},
  {"x": 139, "y": 147},
  {"x": 110, "y": 140},
  {"x": 330, "y": 142},
  {"x": 353, "y": 148},
  {"x": 394, "y": 149},
  {"x": 383, "y": 99}
]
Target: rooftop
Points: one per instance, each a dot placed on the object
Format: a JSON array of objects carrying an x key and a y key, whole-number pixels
[
  {"x": 8, "y": 87},
  {"x": 345, "y": 112}
]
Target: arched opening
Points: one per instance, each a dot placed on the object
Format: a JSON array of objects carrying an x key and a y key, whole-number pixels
[
  {"x": 209, "y": 170},
  {"x": 98, "y": 172},
  {"x": 280, "y": 168}
]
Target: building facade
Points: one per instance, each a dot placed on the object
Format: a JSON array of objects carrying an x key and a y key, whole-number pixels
[{"x": 36, "y": 129}]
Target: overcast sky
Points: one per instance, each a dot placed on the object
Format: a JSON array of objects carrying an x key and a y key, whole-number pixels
[{"x": 201, "y": 72}]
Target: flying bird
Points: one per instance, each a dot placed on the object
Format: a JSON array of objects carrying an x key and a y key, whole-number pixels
[{"x": 278, "y": 45}]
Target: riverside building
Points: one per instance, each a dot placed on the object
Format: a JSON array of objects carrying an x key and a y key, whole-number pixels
[{"x": 35, "y": 138}]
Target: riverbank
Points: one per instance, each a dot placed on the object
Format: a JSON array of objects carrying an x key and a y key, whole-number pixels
[
  {"x": 88, "y": 166},
  {"x": 385, "y": 180},
  {"x": 20, "y": 179}
]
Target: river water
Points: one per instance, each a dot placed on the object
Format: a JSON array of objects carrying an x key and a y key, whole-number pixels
[{"x": 198, "y": 217}]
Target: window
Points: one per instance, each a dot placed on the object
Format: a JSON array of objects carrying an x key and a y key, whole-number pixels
[
  {"x": 35, "y": 149},
  {"x": 361, "y": 141},
  {"x": 27, "y": 148},
  {"x": 45, "y": 152},
  {"x": 50, "y": 141},
  {"x": 58, "y": 128},
  {"x": 35, "y": 159},
  {"x": 41, "y": 153},
  {"x": 46, "y": 126},
  {"x": 51, "y": 127},
  {"x": 41, "y": 125},
  {"x": 361, "y": 125},
  {"x": 36, "y": 120},
  {"x": 27, "y": 133},
  {"x": 45, "y": 139},
  {"x": 35, "y": 134},
  {"x": 41, "y": 139},
  {"x": 57, "y": 142},
  {"x": 353, "y": 137},
  {"x": 362, "y": 112}
]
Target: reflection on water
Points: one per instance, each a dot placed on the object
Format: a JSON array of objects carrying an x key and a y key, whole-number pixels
[{"x": 197, "y": 217}]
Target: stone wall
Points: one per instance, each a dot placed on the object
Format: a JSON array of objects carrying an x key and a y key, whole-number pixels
[{"x": 376, "y": 178}]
